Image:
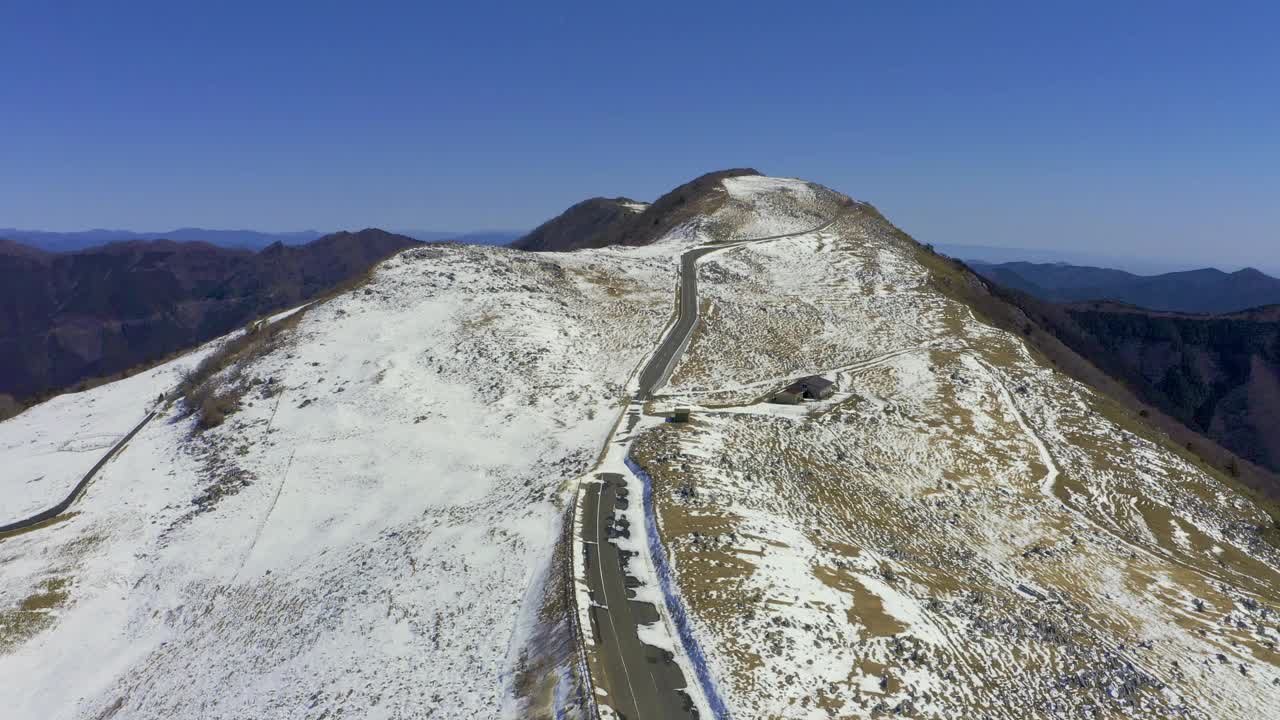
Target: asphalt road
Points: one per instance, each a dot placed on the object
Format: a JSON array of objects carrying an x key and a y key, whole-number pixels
[
  {"x": 643, "y": 682},
  {"x": 61, "y": 507},
  {"x": 658, "y": 370}
]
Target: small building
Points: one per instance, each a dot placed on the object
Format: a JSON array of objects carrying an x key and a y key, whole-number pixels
[
  {"x": 814, "y": 387},
  {"x": 787, "y": 398},
  {"x": 680, "y": 415}
]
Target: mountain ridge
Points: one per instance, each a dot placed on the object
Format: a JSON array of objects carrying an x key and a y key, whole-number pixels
[
  {"x": 1205, "y": 290},
  {"x": 601, "y": 222},
  {"x": 72, "y": 241}
]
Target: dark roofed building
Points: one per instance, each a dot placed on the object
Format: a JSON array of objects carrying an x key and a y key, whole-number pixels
[{"x": 814, "y": 387}]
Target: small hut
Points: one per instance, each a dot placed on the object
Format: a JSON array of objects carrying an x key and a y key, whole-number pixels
[
  {"x": 814, "y": 387},
  {"x": 680, "y": 415}
]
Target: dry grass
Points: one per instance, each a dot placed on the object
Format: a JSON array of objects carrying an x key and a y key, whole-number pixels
[
  {"x": 1122, "y": 406},
  {"x": 33, "y": 614},
  {"x": 213, "y": 389},
  {"x": 928, "y": 498}
]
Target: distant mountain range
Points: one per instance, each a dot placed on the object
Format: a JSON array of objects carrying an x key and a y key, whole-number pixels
[
  {"x": 92, "y": 313},
  {"x": 1149, "y": 265},
  {"x": 1194, "y": 291},
  {"x": 471, "y": 237},
  {"x": 84, "y": 239},
  {"x": 243, "y": 239}
]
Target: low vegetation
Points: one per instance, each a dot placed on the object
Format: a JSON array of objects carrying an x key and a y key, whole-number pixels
[
  {"x": 975, "y": 532},
  {"x": 214, "y": 388},
  {"x": 1040, "y": 326},
  {"x": 9, "y": 407},
  {"x": 33, "y": 613}
]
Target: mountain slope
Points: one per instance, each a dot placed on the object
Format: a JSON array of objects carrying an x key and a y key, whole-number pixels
[
  {"x": 383, "y": 528},
  {"x": 370, "y": 535},
  {"x": 1202, "y": 291},
  {"x": 69, "y": 316},
  {"x": 960, "y": 531},
  {"x": 1216, "y": 374},
  {"x": 586, "y": 224}
]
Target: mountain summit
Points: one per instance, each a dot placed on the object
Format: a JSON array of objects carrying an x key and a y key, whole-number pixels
[{"x": 600, "y": 222}]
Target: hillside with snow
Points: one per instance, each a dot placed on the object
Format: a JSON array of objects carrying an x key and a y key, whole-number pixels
[
  {"x": 388, "y": 526},
  {"x": 369, "y": 536}
]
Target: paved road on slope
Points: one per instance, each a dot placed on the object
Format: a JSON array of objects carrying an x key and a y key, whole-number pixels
[
  {"x": 642, "y": 681},
  {"x": 61, "y": 507},
  {"x": 658, "y": 370}
]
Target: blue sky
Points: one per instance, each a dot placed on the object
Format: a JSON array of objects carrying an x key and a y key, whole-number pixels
[{"x": 1128, "y": 128}]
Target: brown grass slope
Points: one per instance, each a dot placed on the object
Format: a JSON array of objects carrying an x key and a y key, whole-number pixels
[
  {"x": 1040, "y": 323},
  {"x": 601, "y": 222}
]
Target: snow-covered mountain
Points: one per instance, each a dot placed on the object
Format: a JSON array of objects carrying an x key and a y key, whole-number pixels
[{"x": 384, "y": 529}]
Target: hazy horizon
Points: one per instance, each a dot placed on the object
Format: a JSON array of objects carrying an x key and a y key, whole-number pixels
[{"x": 972, "y": 253}]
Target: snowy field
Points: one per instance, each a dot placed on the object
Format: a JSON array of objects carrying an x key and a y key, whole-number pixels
[
  {"x": 47, "y": 449},
  {"x": 762, "y": 206},
  {"x": 366, "y": 536}
]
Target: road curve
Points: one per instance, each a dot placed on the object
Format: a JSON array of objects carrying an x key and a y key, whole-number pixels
[
  {"x": 642, "y": 681},
  {"x": 658, "y": 370},
  {"x": 66, "y": 502}
]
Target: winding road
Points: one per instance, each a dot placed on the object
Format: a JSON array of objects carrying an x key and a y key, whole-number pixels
[
  {"x": 61, "y": 507},
  {"x": 658, "y": 370},
  {"x": 642, "y": 681}
]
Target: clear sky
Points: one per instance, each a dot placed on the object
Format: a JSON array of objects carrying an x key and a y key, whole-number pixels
[{"x": 1123, "y": 127}]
